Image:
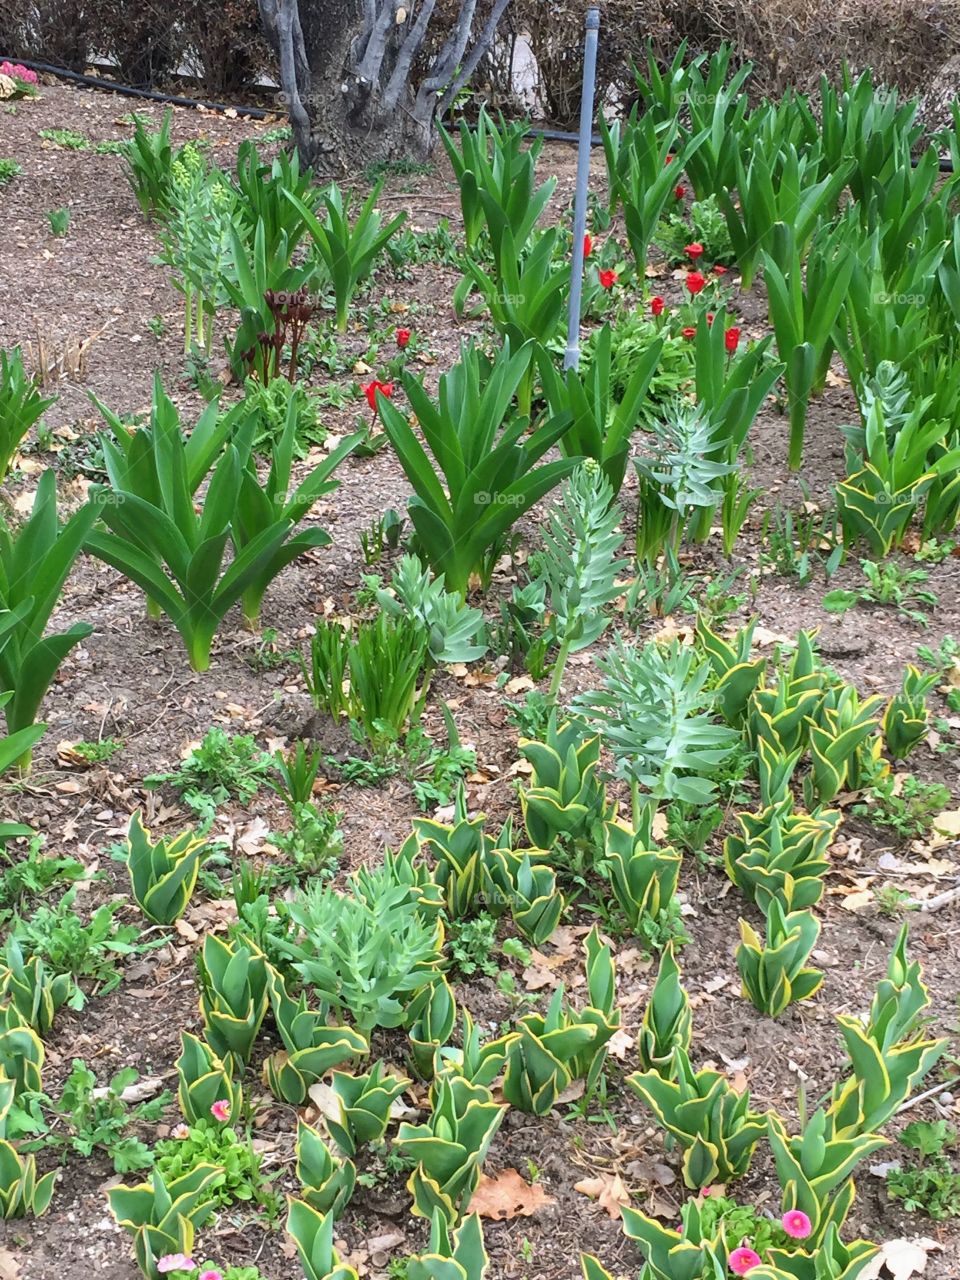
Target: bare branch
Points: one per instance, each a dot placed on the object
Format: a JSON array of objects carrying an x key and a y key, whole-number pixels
[
  {"x": 369, "y": 66},
  {"x": 299, "y": 46},
  {"x": 358, "y": 48},
  {"x": 282, "y": 19},
  {"x": 937, "y": 903},
  {"x": 268, "y": 16},
  {"x": 472, "y": 60},
  {"x": 408, "y": 51},
  {"x": 448, "y": 58}
]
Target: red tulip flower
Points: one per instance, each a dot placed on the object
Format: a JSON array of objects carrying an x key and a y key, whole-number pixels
[
  {"x": 657, "y": 306},
  {"x": 694, "y": 251},
  {"x": 695, "y": 282},
  {"x": 689, "y": 333},
  {"x": 680, "y": 192},
  {"x": 587, "y": 245},
  {"x": 403, "y": 337},
  {"x": 669, "y": 159},
  {"x": 720, "y": 270},
  {"x": 731, "y": 339},
  {"x": 709, "y": 317},
  {"x": 371, "y": 389},
  {"x": 607, "y": 279}
]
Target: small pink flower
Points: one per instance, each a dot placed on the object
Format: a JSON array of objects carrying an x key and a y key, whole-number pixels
[
  {"x": 18, "y": 72},
  {"x": 212, "y": 1274},
  {"x": 180, "y": 1131},
  {"x": 221, "y": 1109},
  {"x": 796, "y": 1224},
  {"x": 743, "y": 1260},
  {"x": 175, "y": 1262}
]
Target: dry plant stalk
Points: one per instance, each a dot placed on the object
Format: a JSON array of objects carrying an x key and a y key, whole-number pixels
[{"x": 51, "y": 359}]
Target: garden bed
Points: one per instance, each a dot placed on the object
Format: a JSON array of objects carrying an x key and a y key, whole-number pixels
[{"x": 129, "y": 682}]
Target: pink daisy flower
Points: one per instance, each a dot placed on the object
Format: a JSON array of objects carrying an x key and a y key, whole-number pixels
[
  {"x": 796, "y": 1224},
  {"x": 743, "y": 1260}
]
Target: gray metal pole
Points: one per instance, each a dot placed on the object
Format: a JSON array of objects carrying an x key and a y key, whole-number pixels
[{"x": 571, "y": 357}]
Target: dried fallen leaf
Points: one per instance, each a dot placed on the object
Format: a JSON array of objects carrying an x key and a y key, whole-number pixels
[
  {"x": 386, "y": 1243},
  {"x": 476, "y": 678},
  {"x": 519, "y": 683},
  {"x": 763, "y": 637},
  {"x": 140, "y": 1091},
  {"x": 535, "y": 978},
  {"x": 670, "y": 632},
  {"x": 608, "y": 1191},
  {"x": 573, "y": 1092},
  {"x": 716, "y": 983},
  {"x": 900, "y": 1259},
  {"x": 186, "y": 931},
  {"x": 620, "y": 1043},
  {"x": 564, "y": 940},
  {"x": 507, "y": 1196},
  {"x": 252, "y": 839},
  {"x": 68, "y": 754},
  {"x": 325, "y": 1100},
  {"x": 948, "y": 822},
  {"x": 859, "y": 900},
  {"x": 632, "y": 960},
  {"x": 9, "y": 1266},
  {"x": 69, "y": 788}
]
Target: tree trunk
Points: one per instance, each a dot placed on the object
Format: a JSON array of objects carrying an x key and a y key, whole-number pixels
[{"x": 346, "y": 71}]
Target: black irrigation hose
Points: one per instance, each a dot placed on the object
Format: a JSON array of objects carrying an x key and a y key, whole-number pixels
[
  {"x": 251, "y": 113},
  {"x": 95, "y": 82},
  {"x": 258, "y": 113}
]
